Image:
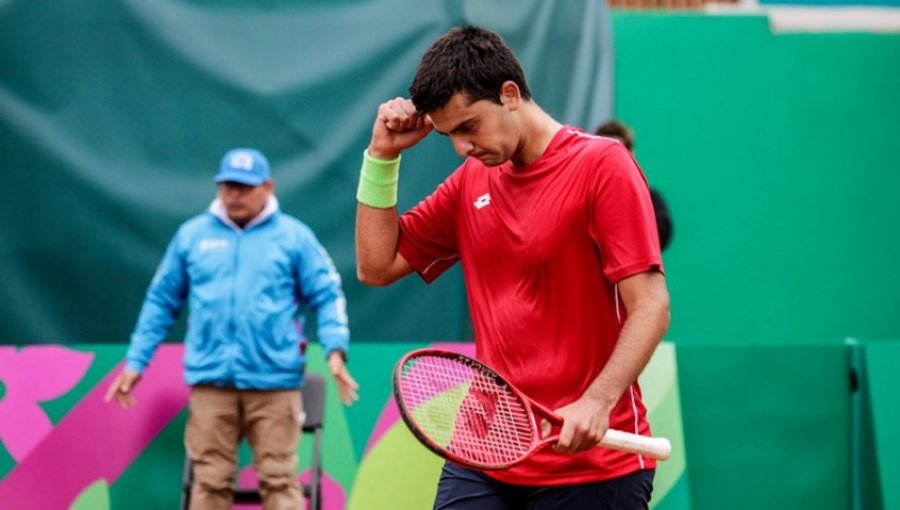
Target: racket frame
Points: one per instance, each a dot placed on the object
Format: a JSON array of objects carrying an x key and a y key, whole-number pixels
[
  {"x": 654, "y": 447},
  {"x": 527, "y": 405}
]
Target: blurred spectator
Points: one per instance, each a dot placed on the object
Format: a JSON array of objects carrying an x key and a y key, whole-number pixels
[
  {"x": 624, "y": 134},
  {"x": 245, "y": 270}
]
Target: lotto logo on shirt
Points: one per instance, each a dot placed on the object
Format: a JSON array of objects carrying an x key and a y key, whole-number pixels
[
  {"x": 213, "y": 244},
  {"x": 483, "y": 201}
]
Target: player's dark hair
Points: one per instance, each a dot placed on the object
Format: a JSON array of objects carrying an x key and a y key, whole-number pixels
[
  {"x": 619, "y": 131},
  {"x": 466, "y": 59}
]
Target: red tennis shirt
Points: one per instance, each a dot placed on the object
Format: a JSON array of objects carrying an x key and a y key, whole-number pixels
[{"x": 542, "y": 247}]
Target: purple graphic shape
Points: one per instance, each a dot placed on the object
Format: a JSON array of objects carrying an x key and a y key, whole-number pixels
[
  {"x": 31, "y": 375},
  {"x": 98, "y": 440},
  {"x": 332, "y": 493},
  {"x": 389, "y": 416}
]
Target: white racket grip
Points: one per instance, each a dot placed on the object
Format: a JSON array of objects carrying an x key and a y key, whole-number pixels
[{"x": 658, "y": 448}]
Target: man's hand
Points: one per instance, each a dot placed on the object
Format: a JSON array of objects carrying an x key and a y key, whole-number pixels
[
  {"x": 398, "y": 126},
  {"x": 121, "y": 388},
  {"x": 647, "y": 305},
  {"x": 585, "y": 423},
  {"x": 347, "y": 386}
]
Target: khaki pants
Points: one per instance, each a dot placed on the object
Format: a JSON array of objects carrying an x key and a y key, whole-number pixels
[{"x": 270, "y": 420}]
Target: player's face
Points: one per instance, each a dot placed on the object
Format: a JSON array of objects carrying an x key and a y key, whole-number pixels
[
  {"x": 243, "y": 202},
  {"x": 483, "y": 130}
]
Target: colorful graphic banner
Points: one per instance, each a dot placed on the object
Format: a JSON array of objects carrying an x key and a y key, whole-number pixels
[{"x": 63, "y": 448}]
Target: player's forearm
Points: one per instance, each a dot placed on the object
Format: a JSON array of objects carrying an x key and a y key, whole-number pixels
[
  {"x": 377, "y": 222},
  {"x": 377, "y": 232},
  {"x": 647, "y": 322}
]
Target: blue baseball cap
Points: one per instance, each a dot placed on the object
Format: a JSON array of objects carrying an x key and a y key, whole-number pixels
[{"x": 246, "y": 166}]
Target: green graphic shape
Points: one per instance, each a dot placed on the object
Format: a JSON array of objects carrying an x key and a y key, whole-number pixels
[
  {"x": 398, "y": 472},
  {"x": 659, "y": 385},
  {"x": 94, "y": 497}
]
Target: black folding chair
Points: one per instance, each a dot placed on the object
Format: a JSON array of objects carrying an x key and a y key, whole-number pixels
[{"x": 313, "y": 392}]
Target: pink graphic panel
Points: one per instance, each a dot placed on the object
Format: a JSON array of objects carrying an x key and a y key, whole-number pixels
[
  {"x": 32, "y": 375},
  {"x": 96, "y": 440}
]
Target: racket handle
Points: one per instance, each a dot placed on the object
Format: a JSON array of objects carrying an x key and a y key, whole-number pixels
[{"x": 658, "y": 448}]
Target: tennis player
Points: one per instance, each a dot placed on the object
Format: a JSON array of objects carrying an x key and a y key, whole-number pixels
[{"x": 556, "y": 235}]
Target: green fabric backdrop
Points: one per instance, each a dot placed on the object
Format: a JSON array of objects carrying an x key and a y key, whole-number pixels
[
  {"x": 775, "y": 152},
  {"x": 113, "y": 117}
]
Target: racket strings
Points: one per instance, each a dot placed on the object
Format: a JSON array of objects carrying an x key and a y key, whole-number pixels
[{"x": 466, "y": 411}]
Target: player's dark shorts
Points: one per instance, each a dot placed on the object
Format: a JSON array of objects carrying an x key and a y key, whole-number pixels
[{"x": 465, "y": 489}]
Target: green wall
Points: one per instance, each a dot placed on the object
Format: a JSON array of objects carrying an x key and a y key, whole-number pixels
[
  {"x": 778, "y": 156},
  {"x": 767, "y": 427}
]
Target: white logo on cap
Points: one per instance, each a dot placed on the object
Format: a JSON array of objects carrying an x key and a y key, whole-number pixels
[{"x": 242, "y": 160}]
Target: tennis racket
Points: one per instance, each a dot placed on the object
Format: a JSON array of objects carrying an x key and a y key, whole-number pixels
[{"x": 464, "y": 411}]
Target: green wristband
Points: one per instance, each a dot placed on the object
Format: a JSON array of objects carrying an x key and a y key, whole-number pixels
[{"x": 378, "y": 181}]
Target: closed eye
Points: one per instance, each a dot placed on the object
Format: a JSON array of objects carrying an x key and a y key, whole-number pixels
[{"x": 465, "y": 128}]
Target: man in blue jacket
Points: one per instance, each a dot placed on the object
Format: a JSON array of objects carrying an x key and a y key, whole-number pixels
[{"x": 245, "y": 270}]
